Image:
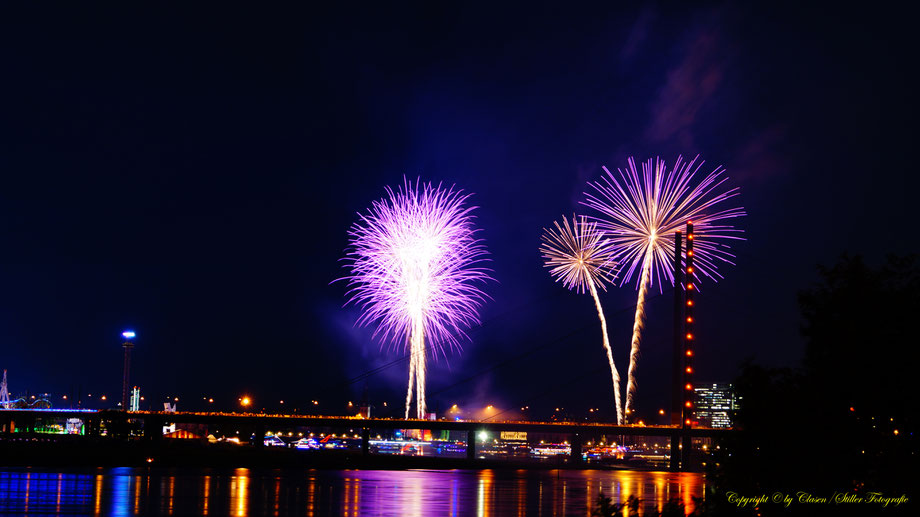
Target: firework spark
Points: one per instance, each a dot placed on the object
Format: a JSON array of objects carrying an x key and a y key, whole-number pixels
[
  {"x": 640, "y": 215},
  {"x": 415, "y": 270},
  {"x": 579, "y": 258}
]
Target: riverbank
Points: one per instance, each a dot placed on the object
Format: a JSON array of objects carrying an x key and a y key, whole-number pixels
[{"x": 106, "y": 452}]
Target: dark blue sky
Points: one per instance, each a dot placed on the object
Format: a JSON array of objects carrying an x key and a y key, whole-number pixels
[{"x": 192, "y": 173}]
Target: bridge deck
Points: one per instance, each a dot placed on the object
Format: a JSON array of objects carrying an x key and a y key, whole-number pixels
[{"x": 276, "y": 420}]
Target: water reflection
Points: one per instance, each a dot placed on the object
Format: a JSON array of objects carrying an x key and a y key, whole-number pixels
[
  {"x": 242, "y": 492},
  {"x": 239, "y": 492},
  {"x": 98, "y": 499},
  {"x": 121, "y": 491},
  {"x": 277, "y": 499},
  {"x": 137, "y": 495},
  {"x": 484, "y": 501}
]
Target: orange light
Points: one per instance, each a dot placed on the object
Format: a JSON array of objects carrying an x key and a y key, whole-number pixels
[
  {"x": 689, "y": 370},
  {"x": 690, "y": 269},
  {"x": 851, "y": 408},
  {"x": 690, "y": 286},
  {"x": 690, "y": 252},
  {"x": 246, "y": 401},
  {"x": 689, "y": 387},
  {"x": 689, "y": 319},
  {"x": 660, "y": 411},
  {"x": 690, "y": 236},
  {"x": 689, "y": 336},
  {"x": 687, "y": 421},
  {"x": 689, "y": 303},
  {"x": 689, "y": 353},
  {"x": 688, "y": 404}
]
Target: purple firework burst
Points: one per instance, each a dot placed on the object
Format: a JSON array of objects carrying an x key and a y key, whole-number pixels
[{"x": 416, "y": 268}]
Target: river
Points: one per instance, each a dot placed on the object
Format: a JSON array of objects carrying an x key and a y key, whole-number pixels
[{"x": 243, "y": 492}]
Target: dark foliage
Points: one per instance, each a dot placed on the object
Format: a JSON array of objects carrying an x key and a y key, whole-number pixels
[
  {"x": 830, "y": 425},
  {"x": 607, "y": 508}
]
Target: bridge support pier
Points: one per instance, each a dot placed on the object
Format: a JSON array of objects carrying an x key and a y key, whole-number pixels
[
  {"x": 471, "y": 444},
  {"x": 674, "y": 465},
  {"x": 153, "y": 427},
  {"x": 28, "y": 424},
  {"x": 259, "y": 436},
  {"x": 575, "y": 454},
  {"x": 91, "y": 426},
  {"x": 686, "y": 453},
  {"x": 365, "y": 441}
]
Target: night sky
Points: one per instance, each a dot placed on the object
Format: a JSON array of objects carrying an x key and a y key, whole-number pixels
[{"x": 192, "y": 174}]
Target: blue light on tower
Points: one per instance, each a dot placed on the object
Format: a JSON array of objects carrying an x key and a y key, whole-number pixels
[{"x": 128, "y": 334}]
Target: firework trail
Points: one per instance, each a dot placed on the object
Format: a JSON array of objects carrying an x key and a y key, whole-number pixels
[
  {"x": 415, "y": 267},
  {"x": 579, "y": 258},
  {"x": 641, "y": 213}
]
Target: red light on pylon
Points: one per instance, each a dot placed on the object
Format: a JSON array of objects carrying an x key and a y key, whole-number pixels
[
  {"x": 689, "y": 319},
  {"x": 687, "y": 421},
  {"x": 689, "y": 370},
  {"x": 688, "y": 404},
  {"x": 690, "y": 236},
  {"x": 690, "y": 253},
  {"x": 689, "y": 353},
  {"x": 852, "y": 409},
  {"x": 689, "y": 336},
  {"x": 688, "y": 386},
  {"x": 689, "y": 303},
  {"x": 690, "y": 269},
  {"x": 690, "y": 286}
]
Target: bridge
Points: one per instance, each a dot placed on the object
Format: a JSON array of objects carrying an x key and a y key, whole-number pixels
[{"x": 117, "y": 423}]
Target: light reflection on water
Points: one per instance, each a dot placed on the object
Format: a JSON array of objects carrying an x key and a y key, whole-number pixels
[{"x": 242, "y": 492}]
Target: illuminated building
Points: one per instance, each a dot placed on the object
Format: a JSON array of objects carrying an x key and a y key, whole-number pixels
[
  {"x": 715, "y": 403},
  {"x": 135, "y": 399}
]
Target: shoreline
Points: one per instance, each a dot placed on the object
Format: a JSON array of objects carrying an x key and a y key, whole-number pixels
[{"x": 184, "y": 453}]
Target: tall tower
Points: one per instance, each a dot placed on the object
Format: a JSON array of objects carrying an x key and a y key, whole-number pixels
[
  {"x": 688, "y": 329},
  {"x": 677, "y": 353},
  {"x": 683, "y": 349},
  {"x": 125, "y": 390},
  {"x": 4, "y": 393}
]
